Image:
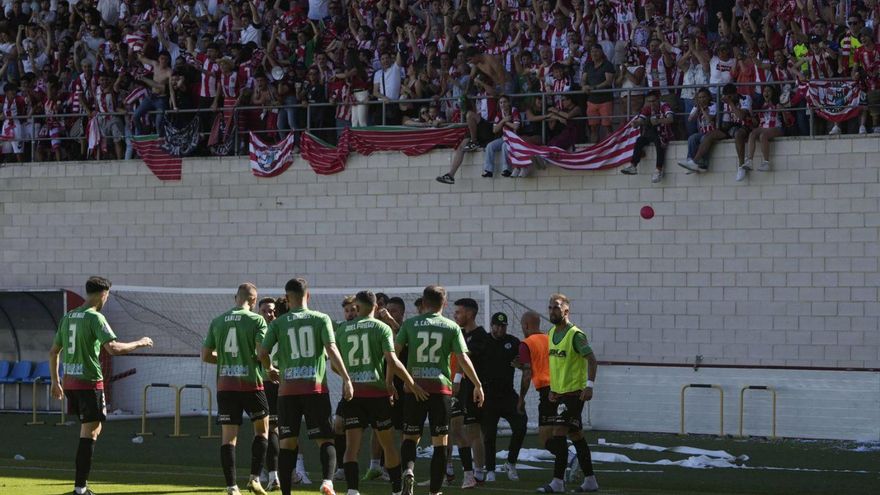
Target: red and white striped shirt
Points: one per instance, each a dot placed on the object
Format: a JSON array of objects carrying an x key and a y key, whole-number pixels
[
  {"x": 704, "y": 124},
  {"x": 869, "y": 61},
  {"x": 105, "y": 100},
  {"x": 558, "y": 39},
  {"x": 820, "y": 68},
  {"x": 229, "y": 85},
  {"x": 624, "y": 14},
  {"x": 83, "y": 90},
  {"x": 771, "y": 116},
  {"x": 340, "y": 92},
  {"x": 210, "y": 76},
  {"x": 658, "y": 75}
]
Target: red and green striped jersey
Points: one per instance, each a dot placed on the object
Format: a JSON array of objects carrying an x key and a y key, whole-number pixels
[
  {"x": 301, "y": 335},
  {"x": 235, "y": 336},
  {"x": 80, "y": 336},
  {"x": 431, "y": 339},
  {"x": 363, "y": 343}
]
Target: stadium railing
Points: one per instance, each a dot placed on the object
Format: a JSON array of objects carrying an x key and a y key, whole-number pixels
[{"x": 307, "y": 109}]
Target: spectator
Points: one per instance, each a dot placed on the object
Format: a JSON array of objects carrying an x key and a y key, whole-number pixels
[
  {"x": 597, "y": 80},
  {"x": 507, "y": 118},
  {"x": 563, "y": 123},
  {"x": 865, "y": 71},
  {"x": 703, "y": 114},
  {"x": 631, "y": 74},
  {"x": 386, "y": 88},
  {"x": 655, "y": 122},
  {"x": 157, "y": 96},
  {"x": 770, "y": 127},
  {"x": 695, "y": 65}
]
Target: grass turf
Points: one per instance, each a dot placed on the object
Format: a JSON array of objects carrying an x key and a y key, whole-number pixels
[{"x": 191, "y": 465}]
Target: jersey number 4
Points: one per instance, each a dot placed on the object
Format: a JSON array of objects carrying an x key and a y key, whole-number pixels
[
  {"x": 302, "y": 342},
  {"x": 424, "y": 354},
  {"x": 231, "y": 345}
]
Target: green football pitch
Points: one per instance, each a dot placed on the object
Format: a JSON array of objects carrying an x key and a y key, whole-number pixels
[{"x": 162, "y": 465}]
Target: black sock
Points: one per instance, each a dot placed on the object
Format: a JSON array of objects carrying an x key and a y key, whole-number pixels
[
  {"x": 559, "y": 448},
  {"x": 585, "y": 459},
  {"x": 258, "y": 453},
  {"x": 518, "y": 436},
  {"x": 339, "y": 442},
  {"x": 286, "y": 465},
  {"x": 84, "y": 461},
  {"x": 227, "y": 461},
  {"x": 272, "y": 452},
  {"x": 438, "y": 468},
  {"x": 395, "y": 474},
  {"x": 467, "y": 458},
  {"x": 382, "y": 458},
  {"x": 408, "y": 454},
  {"x": 328, "y": 459},
  {"x": 351, "y": 474}
]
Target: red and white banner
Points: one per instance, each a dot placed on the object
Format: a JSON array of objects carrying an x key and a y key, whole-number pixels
[
  {"x": 411, "y": 141},
  {"x": 835, "y": 101},
  {"x": 324, "y": 158},
  {"x": 164, "y": 165},
  {"x": 613, "y": 151},
  {"x": 270, "y": 160}
]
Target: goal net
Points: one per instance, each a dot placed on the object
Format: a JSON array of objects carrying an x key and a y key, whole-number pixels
[{"x": 177, "y": 320}]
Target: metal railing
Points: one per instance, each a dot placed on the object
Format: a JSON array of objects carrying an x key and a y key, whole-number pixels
[{"x": 307, "y": 112}]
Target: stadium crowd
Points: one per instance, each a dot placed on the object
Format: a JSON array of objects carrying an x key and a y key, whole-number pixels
[{"x": 293, "y": 65}]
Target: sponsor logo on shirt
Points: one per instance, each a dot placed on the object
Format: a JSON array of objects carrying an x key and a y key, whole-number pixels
[
  {"x": 73, "y": 369},
  {"x": 560, "y": 353},
  {"x": 300, "y": 372},
  {"x": 234, "y": 370},
  {"x": 363, "y": 376},
  {"x": 426, "y": 373}
]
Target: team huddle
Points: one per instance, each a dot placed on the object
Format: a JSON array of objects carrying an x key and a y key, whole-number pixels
[{"x": 396, "y": 374}]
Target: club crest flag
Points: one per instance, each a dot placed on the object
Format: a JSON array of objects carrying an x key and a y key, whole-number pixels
[
  {"x": 270, "y": 160},
  {"x": 835, "y": 101}
]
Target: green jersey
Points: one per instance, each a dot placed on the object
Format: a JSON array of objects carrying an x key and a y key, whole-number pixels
[
  {"x": 431, "y": 339},
  {"x": 363, "y": 343},
  {"x": 80, "y": 336},
  {"x": 301, "y": 335},
  {"x": 235, "y": 336}
]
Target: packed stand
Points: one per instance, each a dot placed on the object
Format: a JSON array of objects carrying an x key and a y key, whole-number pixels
[{"x": 81, "y": 79}]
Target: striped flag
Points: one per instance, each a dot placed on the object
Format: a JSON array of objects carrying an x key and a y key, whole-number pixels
[
  {"x": 324, "y": 158},
  {"x": 613, "y": 151},
  {"x": 411, "y": 141},
  {"x": 164, "y": 165},
  {"x": 270, "y": 160}
]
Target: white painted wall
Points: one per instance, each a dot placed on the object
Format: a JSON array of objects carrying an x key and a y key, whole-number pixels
[{"x": 779, "y": 270}]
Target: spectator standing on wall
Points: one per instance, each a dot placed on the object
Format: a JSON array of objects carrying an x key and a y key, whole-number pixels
[
  {"x": 655, "y": 121},
  {"x": 597, "y": 80}
]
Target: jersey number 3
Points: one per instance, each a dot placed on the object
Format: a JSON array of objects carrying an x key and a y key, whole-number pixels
[
  {"x": 71, "y": 339},
  {"x": 425, "y": 354}
]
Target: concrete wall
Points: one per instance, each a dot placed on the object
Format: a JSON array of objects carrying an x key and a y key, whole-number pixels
[{"x": 779, "y": 270}]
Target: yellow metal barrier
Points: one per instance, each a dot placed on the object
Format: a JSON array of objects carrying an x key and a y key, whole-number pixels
[
  {"x": 742, "y": 396},
  {"x": 144, "y": 431},
  {"x": 704, "y": 385},
  {"x": 177, "y": 433},
  {"x": 33, "y": 421}
]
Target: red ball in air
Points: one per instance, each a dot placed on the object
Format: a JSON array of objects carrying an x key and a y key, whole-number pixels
[{"x": 647, "y": 212}]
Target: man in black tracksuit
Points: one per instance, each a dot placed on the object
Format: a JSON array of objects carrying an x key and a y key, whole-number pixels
[{"x": 501, "y": 399}]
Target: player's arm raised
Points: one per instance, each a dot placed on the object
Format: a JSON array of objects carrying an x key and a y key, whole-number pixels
[
  {"x": 468, "y": 367},
  {"x": 116, "y": 348}
]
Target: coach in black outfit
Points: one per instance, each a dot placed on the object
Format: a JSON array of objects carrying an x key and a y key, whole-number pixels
[{"x": 501, "y": 399}]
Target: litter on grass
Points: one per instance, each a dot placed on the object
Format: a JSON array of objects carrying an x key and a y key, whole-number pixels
[{"x": 694, "y": 462}]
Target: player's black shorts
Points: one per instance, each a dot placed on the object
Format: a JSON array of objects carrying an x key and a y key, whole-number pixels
[
  {"x": 455, "y": 409},
  {"x": 271, "y": 390},
  {"x": 88, "y": 405},
  {"x": 569, "y": 409},
  {"x": 472, "y": 413},
  {"x": 397, "y": 410},
  {"x": 231, "y": 405},
  {"x": 546, "y": 409},
  {"x": 435, "y": 409},
  {"x": 361, "y": 412},
  {"x": 315, "y": 408}
]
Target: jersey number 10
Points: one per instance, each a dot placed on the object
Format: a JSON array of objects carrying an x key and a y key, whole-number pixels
[{"x": 302, "y": 342}]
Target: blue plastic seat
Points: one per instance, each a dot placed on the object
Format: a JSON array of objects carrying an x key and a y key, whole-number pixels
[
  {"x": 41, "y": 373},
  {"x": 4, "y": 369},
  {"x": 20, "y": 371}
]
